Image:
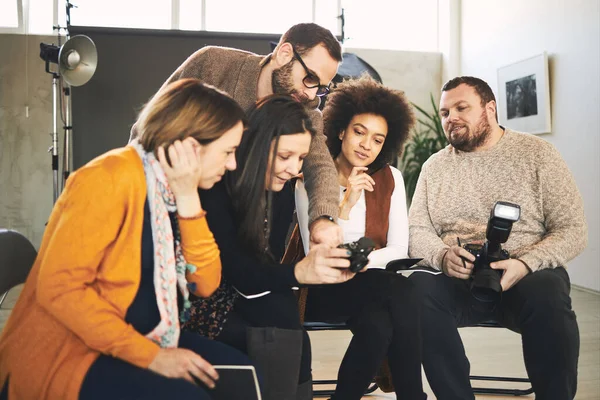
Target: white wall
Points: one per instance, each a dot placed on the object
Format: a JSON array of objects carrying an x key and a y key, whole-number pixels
[{"x": 494, "y": 34}]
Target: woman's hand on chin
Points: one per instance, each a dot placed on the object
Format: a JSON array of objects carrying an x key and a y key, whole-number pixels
[{"x": 358, "y": 181}]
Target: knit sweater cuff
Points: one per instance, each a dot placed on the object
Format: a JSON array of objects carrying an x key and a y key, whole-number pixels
[
  {"x": 530, "y": 261},
  {"x": 439, "y": 258},
  {"x": 323, "y": 210}
]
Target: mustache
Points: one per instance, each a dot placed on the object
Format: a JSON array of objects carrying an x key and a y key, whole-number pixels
[{"x": 451, "y": 127}]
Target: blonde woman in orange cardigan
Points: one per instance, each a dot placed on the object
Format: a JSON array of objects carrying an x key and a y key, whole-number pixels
[{"x": 126, "y": 244}]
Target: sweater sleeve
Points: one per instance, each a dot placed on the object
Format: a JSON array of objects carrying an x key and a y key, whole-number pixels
[
  {"x": 424, "y": 240},
  {"x": 190, "y": 68},
  {"x": 565, "y": 225},
  {"x": 90, "y": 213},
  {"x": 320, "y": 176},
  {"x": 200, "y": 249},
  {"x": 397, "y": 236},
  {"x": 241, "y": 268}
]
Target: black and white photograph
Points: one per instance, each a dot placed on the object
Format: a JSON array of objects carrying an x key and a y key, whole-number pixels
[
  {"x": 524, "y": 95},
  {"x": 521, "y": 97}
]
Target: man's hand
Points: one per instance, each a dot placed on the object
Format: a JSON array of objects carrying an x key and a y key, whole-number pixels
[
  {"x": 514, "y": 271},
  {"x": 323, "y": 264},
  {"x": 458, "y": 263},
  {"x": 324, "y": 231}
]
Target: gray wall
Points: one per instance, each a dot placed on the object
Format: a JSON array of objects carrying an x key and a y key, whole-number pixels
[
  {"x": 132, "y": 65},
  {"x": 25, "y": 164}
]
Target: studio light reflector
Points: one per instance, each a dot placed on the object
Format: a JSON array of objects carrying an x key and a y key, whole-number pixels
[{"x": 77, "y": 59}]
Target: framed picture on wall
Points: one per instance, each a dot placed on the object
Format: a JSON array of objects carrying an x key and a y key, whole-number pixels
[{"x": 524, "y": 95}]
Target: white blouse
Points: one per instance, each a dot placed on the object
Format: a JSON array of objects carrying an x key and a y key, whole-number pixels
[{"x": 354, "y": 227}]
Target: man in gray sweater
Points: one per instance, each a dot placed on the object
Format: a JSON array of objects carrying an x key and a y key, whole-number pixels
[
  {"x": 457, "y": 188},
  {"x": 302, "y": 65}
]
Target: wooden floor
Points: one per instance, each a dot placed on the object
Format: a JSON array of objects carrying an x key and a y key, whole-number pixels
[{"x": 500, "y": 356}]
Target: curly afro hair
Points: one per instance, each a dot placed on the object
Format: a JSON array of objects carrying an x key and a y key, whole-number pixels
[{"x": 367, "y": 96}]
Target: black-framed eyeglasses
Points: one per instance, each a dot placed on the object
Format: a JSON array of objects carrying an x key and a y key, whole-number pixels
[{"x": 311, "y": 81}]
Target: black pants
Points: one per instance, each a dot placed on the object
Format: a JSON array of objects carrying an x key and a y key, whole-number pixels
[
  {"x": 538, "y": 307},
  {"x": 111, "y": 378},
  {"x": 278, "y": 310},
  {"x": 382, "y": 312}
]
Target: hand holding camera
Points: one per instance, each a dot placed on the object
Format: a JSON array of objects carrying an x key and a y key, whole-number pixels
[
  {"x": 458, "y": 263},
  {"x": 359, "y": 253},
  {"x": 513, "y": 270},
  {"x": 486, "y": 284},
  {"x": 324, "y": 264}
]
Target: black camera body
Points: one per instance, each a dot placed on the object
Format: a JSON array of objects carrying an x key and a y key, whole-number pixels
[
  {"x": 360, "y": 252},
  {"x": 485, "y": 281}
]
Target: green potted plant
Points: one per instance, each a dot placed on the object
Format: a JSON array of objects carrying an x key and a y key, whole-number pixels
[{"x": 427, "y": 138}]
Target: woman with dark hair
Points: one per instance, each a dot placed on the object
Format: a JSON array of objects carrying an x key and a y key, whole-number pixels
[
  {"x": 366, "y": 125},
  {"x": 250, "y": 214},
  {"x": 126, "y": 244}
]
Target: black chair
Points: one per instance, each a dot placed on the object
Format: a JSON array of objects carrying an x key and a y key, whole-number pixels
[
  {"x": 17, "y": 255},
  {"x": 499, "y": 391},
  {"x": 397, "y": 266},
  {"x": 325, "y": 326}
]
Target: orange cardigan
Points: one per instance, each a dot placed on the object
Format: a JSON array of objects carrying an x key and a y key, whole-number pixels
[{"x": 85, "y": 277}]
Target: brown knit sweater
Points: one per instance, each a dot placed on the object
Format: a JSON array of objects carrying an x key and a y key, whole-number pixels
[
  {"x": 236, "y": 72},
  {"x": 456, "y": 192}
]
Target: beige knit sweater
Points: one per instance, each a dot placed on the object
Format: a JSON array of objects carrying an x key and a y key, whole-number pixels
[
  {"x": 456, "y": 191},
  {"x": 236, "y": 72}
]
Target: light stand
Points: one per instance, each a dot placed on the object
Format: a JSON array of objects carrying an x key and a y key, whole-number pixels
[{"x": 76, "y": 60}]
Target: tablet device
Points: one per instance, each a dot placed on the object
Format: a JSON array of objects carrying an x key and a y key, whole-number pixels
[
  {"x": 236, "y": 382},
  {"x": 401, "y": 264}
]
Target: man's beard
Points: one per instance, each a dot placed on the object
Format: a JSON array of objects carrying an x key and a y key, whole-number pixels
[
  {"x": 282, "y": 83},
  {"x": 469, "y": 141}
]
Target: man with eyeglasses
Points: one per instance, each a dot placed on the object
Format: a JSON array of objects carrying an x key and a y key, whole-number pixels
[{"x": 302, "y": 65}]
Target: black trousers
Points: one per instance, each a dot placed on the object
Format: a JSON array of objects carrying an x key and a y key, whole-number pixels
[
  {"x": 538, "y": 307},
  {"x": 277, "y": 310},
  {"x": 111, "y": 378},
  {"x": 382, "y": 312}
]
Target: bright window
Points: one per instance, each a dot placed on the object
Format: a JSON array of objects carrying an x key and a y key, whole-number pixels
[
  {"x": 376, "y": 24},
  {"x": 41, "y": 17},
  {"x": 392, "y": 24},
  {"x": 326, "y": 15},
  {"x": 190, "y": 15},
  {"x": 155, "y": 14},
  {"x": 267, "y": 16},
  {"x": 9, "y": 17}
]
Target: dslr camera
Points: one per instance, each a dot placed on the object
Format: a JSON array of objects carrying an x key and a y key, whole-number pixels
[
  {"x": 360, "y": 252},
  {"x": 485, "y": 281}
]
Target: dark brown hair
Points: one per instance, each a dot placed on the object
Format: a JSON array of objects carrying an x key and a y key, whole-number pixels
[
  {"x": 367, "y": 96},
  {"x": 481, "y": 87},
  {"x": 269, "y": 119},
  {"x": 185, "y": 108},
  {"x": 308, "y": 35}
]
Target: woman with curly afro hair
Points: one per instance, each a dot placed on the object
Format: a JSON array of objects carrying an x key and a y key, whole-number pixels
[{"x": 366, "y": 125}]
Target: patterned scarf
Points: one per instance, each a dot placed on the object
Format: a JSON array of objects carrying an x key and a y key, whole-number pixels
[{"x": 169, "y": 264}]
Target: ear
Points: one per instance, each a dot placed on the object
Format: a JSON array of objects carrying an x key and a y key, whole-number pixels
[
  {"x": 341, "y": 135},
  {"x": 490, "y": 108},
  {"x": 284, "y": 54}
]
